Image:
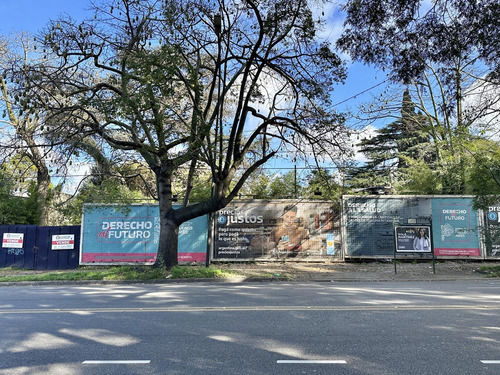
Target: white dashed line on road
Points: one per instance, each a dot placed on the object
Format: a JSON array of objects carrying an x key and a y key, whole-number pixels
[
  {"x": 115, "y": 362},
  {"x": 313, "y": 361}
]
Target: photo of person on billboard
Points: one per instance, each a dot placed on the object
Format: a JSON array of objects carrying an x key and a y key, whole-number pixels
[
  {"x": 290, "y": 235},
  {"x": 421, "y": 242},
  {"x": 292, "y": 230}
]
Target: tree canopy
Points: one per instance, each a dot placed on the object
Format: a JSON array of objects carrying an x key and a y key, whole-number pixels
[
  {"x": 405, "y": 37},
  {"x": 444, "y": 52}
]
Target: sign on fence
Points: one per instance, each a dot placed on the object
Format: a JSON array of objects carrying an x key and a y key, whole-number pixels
[
  {"x": 13, "y": 240},
  {"x": 455, "y": 225},
  {"x": 40, "y": 248},
  {"x": 413, "y": 239},
  {"x": 119, "y": 234},
  {"x": 410, "y": 239},
  {"x": 63, "y": 242},
  {"x": 276, "y": 229},
  {"x": 370, "y": 221}
]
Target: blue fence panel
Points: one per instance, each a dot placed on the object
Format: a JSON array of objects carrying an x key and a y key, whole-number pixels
[
  {"x": 32, "y": 247},
  {"x": 22, "y": 254},
  {"x": 49, "y": 256},
  {"x": 42, "y": 253}
]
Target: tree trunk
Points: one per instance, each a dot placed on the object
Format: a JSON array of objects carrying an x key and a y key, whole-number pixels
[
  {"x": 167, "y": 247},
  {"x": 169, "y": 227},
  {"x": 43, "y": 187}
]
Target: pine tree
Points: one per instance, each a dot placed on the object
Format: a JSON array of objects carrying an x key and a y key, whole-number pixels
[{"x": 393, "y": 149}]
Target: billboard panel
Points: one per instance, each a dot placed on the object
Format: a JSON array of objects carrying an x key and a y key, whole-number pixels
[
  {"x": 370, "y": 222},
  {"x": 492, "y": 233},
  {"x": 192, "y": 245},
  {"x": 119, "y": 234},
  {"x": 455, "y": 227},
  {"x": 413, "y": 239},
  {"x": 277, "y": 229}
]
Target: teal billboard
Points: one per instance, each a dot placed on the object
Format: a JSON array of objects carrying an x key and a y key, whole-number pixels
[
  {"x": 455, "y": 227},
  {"x": 122, "y": 234}
]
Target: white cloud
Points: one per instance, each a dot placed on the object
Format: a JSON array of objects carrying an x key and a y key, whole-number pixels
[
  {"x": 334, "y": 22},
  {"x": 482, "y": 103},
  {"x": 366, "y": 133}
]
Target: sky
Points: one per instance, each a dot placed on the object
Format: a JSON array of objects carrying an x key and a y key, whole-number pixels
[{"x": 33, "y": 15}]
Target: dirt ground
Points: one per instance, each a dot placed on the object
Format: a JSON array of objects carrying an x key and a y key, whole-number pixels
[{"x": 376, "y": 271}]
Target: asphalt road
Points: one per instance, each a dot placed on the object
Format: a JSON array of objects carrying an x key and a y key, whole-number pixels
[{"x": 378, "y": 328}]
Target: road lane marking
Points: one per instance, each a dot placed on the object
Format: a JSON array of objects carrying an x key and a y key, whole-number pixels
[
  {"x": 491, "y": 362},
  {"x": 314, "y": 361},
  {"x": 96, "y": 362}
]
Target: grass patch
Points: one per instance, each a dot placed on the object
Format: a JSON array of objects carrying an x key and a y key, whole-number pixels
[
  {"x": 198, "y": 272},
  {"x": 115, "y": 273},
  {"x": 491, "y": 271}
]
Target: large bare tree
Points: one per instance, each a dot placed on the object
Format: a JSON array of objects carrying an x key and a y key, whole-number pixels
[{"x": 221, "y": 85}]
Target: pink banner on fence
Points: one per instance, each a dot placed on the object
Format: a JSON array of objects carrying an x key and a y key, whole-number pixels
[{"x": 457, "y": 252}]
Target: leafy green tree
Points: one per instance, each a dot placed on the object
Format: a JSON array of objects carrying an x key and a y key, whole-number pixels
[
  {"x": 109, "y": 190},
  {"x": 24, "y": 121},
  {"x": 444, "y": 53},
  {"x": 43, "y": 146},
  {"x": 318, "y": 184},
  {"x": 285, "y": 186},
  {"x": 408, "y": 36},
  {"x": 321, "y": 184},
  {"x": 194, "y": 83},
  {"x": 16, "y": 208},
  {"x": 418, "y": 178},
  {"x": 484, "y": 176},
  {"x": 257, "y": 186}
]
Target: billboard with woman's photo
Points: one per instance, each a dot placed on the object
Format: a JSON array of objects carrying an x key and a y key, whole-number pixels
[
  {"x": 410, "y": 239},
  {"x": 369, "y": 223}
]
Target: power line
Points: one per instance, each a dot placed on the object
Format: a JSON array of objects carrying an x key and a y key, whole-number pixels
[{"x": 360, "y": 93}]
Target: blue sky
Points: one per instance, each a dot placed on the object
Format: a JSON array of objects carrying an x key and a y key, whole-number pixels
[{"x": 33, "y": 15}]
